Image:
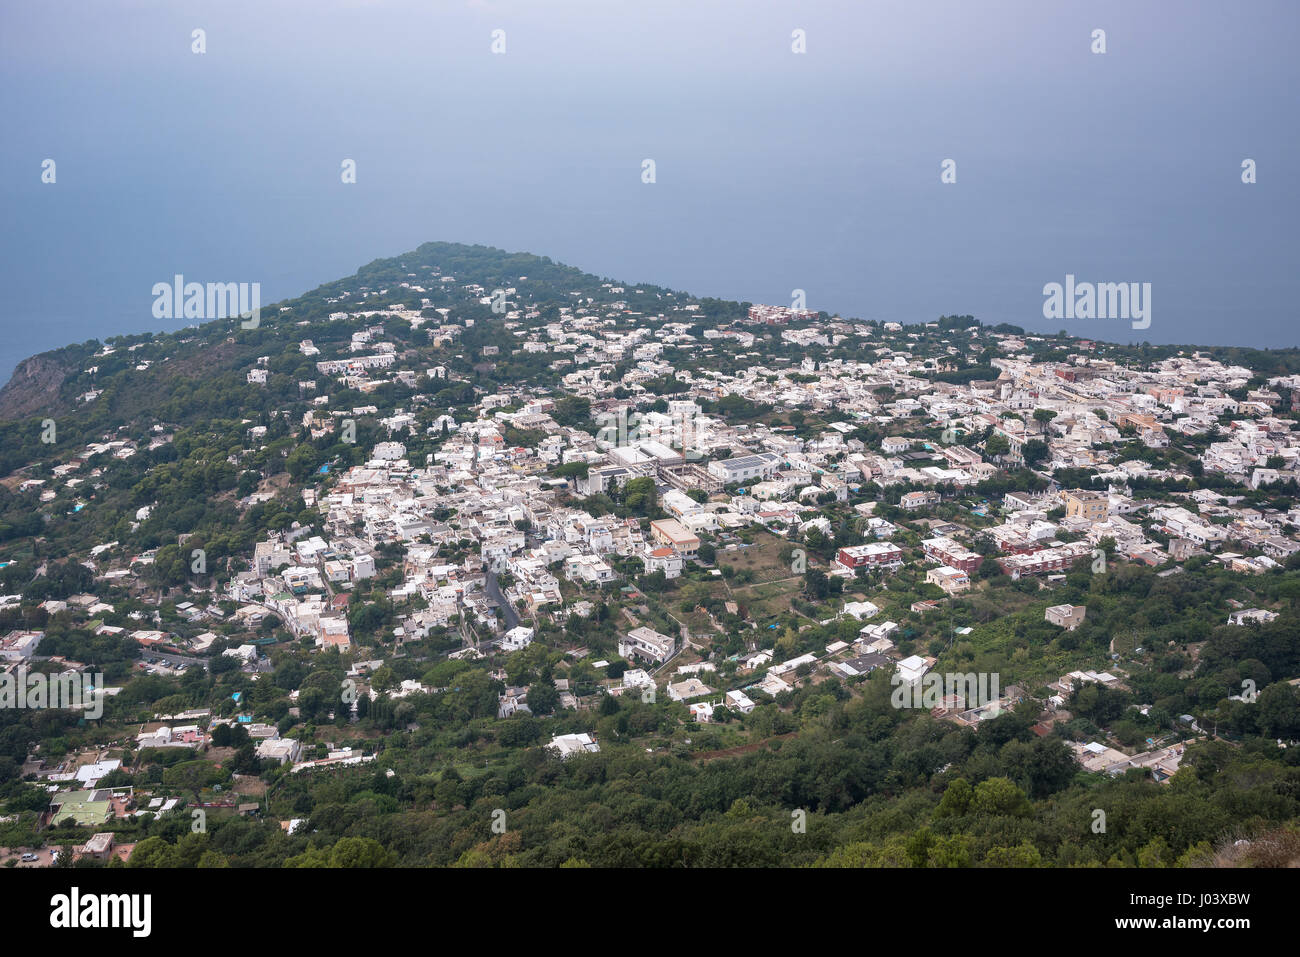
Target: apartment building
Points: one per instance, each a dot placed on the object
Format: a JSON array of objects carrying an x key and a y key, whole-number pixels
[
  {"x": 950, "y": 553},
  {"x": 1045, "y": 561},
  {"x": 870, "y": 555}
]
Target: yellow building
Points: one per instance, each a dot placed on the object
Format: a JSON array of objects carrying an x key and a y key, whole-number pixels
[{"x": 1092, "y": 506}]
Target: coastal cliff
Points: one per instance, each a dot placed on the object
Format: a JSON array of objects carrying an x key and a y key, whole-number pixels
[{"x": 34, "y": 387}]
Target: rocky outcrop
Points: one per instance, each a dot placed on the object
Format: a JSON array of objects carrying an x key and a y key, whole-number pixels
[{"x": 33, "y": 388}]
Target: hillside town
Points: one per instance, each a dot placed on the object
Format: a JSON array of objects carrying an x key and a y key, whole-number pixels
[{"x": 731, "y": 521}]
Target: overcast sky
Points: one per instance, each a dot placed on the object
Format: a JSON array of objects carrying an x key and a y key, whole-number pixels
[{"x": 775, "y": 170}]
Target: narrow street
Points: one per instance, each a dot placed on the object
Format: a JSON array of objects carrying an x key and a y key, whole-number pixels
[{"x": 494, "y": 592}]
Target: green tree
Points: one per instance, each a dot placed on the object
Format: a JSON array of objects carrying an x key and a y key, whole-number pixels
[
  {"x": 1034, "y": 451},
  {"x": 999, "y": 797},
  {"x": 543, "y": 698},
  {"x": 956, "y": 799},
  {"x": 302, "y": 462}
]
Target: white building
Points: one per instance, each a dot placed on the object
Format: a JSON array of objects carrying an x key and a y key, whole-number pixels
[
  {"x": 913, "y": 669},
  {"x": 570, "y": 744},
  {"x": 663, "y": 559},
  {"x": 516, "y": 639},
  {"x": 743, "y": 468},
  {"x": 646, "y": 643},
  {"x": 389, "y": 451}
]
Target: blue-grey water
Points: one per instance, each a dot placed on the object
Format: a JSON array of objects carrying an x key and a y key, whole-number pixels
[{"x": 775, "y": 171}]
